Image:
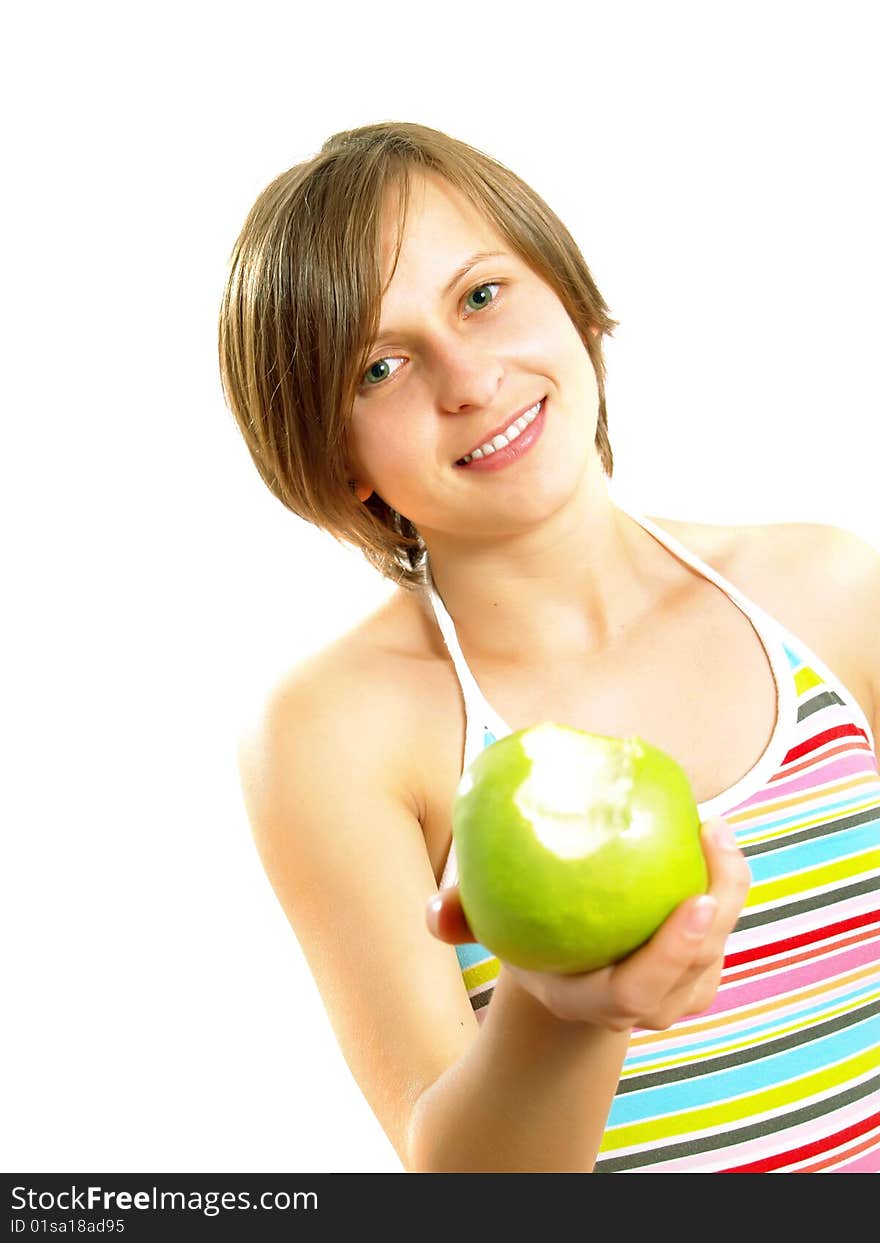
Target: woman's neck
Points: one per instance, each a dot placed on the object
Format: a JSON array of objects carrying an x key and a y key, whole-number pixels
[{"x": 573, "y": 585}]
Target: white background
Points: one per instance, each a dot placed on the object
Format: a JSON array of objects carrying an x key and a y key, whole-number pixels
[{"x": 716, "y": 164}]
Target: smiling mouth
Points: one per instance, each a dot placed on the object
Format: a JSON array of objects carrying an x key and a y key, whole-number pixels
[{"x": 511, "y": 433}]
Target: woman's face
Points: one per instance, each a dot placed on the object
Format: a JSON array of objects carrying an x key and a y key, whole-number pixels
[{"x": 460, "y": 356}]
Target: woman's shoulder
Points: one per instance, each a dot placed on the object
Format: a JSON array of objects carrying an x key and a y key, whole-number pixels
[
  {"x": 819, "y": 580},
  {"x": 381, "y": 652},
  {"x": 788, "y": 556},
  {"x": 372, "y": 682}
]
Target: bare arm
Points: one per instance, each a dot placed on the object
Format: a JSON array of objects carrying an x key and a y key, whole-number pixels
[
  {"x": 346, "y": 858},
  {"x": 546, "y": 1066},
  {"x": 530, "y": 1095},
  {"x": 342, "y": 845}
]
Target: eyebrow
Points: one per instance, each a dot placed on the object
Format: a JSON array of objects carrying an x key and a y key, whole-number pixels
[
  {"x": 468, "y": 264},
  {"x": 461, "y": 272}
]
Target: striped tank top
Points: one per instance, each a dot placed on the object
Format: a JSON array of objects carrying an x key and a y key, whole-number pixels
[{"x": 782, "y": 1072}]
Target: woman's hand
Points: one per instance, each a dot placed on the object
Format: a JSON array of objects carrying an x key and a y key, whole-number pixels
[{"x": 674, "y": 974}]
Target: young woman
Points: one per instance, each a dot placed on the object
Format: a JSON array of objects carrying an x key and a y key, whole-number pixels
[{"x": 411, "y": 344}]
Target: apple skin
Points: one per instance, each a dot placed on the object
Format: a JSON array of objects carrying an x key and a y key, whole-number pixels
[{"x": 573, "y": 847}]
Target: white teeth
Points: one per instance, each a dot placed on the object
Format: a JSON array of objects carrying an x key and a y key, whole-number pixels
[
  {"x": 501, "y": 441},
  {"x": 516, "y": 429}
]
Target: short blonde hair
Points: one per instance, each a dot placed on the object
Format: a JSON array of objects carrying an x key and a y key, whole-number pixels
[{"x": 302, "y": 303}]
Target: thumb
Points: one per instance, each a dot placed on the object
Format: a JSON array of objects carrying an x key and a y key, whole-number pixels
[
  {"x": 446, "y": 919},
  {"x": 729, "y": 873}
]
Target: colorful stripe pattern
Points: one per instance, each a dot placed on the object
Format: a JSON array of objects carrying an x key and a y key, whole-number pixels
[{"x": 782, "y": 1072}]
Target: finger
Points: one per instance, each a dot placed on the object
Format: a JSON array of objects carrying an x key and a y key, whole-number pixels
[
  {"x": 729, "y": 875},
  {"x": 646, "y": 977},
  {"x": 697, "y": 929},
  {"x": 637, "y": 985},
  {"x": 692, "y": 939},
  {"x": 446, "y": 919}
]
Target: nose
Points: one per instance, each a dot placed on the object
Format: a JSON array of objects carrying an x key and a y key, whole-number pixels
[{"x": 468, "y": 376}]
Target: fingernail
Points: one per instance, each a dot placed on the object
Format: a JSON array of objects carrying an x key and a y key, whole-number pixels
[
  {"x": 723, "y": 836},
  {"x": 701, "y": 914}
]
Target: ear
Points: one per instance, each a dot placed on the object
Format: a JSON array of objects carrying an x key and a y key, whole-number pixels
[{"x": 362, "y": 491}]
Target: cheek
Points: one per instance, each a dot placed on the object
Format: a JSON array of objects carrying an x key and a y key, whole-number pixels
[
  {"x": 545, "y": 331},
  {"x": 387, "y": 447},
  {"x": 577, "y": 361}
]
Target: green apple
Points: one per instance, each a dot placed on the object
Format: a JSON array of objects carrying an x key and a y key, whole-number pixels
[{"x": 573, "y": 847}]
